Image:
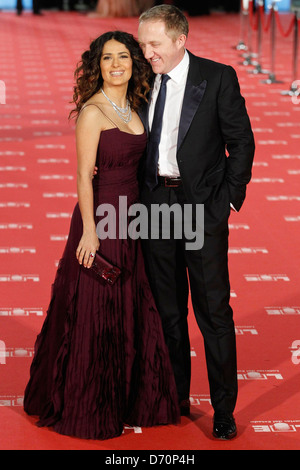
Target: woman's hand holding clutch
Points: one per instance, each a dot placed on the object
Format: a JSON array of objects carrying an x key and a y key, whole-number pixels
[{"x": 87, "y": 247}]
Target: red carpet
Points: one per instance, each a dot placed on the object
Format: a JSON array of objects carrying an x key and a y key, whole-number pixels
[{"x": 38, "y": 191}]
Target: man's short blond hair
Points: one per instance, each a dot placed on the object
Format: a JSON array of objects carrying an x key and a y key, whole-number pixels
[{"x": 175, "y": 21}]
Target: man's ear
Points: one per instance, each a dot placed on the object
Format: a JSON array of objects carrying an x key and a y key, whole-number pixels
[{"x": 181, "y": 40}]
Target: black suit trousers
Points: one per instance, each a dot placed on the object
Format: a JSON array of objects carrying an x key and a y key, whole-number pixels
[{"x": 172, "y": 270}]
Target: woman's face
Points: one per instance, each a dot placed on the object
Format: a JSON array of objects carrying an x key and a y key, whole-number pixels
[{"x": 115, "y": 63}]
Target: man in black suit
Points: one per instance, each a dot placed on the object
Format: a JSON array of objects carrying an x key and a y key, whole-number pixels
[{"x": 204, "y": 117}]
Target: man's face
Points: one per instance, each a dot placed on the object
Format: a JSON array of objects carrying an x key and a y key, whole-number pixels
[{"x": 161, "y": 50}]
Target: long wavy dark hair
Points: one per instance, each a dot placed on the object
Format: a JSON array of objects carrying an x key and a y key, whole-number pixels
[{"x": 88, "y": 73}]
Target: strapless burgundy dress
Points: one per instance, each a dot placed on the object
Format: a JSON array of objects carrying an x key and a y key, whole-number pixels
[{"x": 100, "y": 359}]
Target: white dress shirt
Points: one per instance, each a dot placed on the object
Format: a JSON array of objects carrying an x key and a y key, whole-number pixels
[{"x": 167, "y": 163}]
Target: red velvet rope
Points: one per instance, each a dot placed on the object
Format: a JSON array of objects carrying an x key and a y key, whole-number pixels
[
  {"x": 289, "y": 30},
  {"x": 266, "y": 26},
  {"x": 253, "y": 18}
]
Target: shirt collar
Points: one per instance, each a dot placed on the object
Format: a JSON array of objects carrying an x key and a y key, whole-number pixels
[{"x": 178, "y": 73}]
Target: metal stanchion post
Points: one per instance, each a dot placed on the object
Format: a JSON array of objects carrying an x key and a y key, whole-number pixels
[
  {"x": 248, "y": 57},
  {"x": 294, "y": 91},
  {"x": 272, "y": 78},
  {"x": 243, "y": 15},
  {"x": 258, "y": 68}
]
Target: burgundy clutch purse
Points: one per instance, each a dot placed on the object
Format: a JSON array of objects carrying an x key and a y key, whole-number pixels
[{"x": 105, "y": 269}]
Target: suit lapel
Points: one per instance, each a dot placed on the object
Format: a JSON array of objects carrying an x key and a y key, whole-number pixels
[
  {"x": 194, "y": 92},
  {"x": 192, "y": 98}
]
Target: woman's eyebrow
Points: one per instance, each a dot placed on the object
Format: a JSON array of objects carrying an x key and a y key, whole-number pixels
[{"x": 119, "y": 53}]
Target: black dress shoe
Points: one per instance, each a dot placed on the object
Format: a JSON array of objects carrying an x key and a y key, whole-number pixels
[
  {"x": 184, "y": 406},
  {"x": 224, "y": 426}
]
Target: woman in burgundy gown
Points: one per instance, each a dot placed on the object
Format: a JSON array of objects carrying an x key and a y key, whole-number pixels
[{"x": 100, "y": 359}]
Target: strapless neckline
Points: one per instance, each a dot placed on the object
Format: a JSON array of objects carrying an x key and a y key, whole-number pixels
[{"x": 123, "y": 132}]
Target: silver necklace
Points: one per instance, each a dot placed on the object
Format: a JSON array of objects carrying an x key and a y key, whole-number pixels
[{"x": 123, "y": 113}]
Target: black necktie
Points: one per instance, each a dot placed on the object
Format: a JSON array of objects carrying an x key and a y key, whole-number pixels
[{"x": 154, "y": 138}]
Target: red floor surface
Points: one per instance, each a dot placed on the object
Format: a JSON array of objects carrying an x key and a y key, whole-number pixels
[{"x": 37, "y": 195}]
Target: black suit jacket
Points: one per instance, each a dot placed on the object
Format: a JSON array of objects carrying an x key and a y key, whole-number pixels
[{"x": 215, "y": 147}]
